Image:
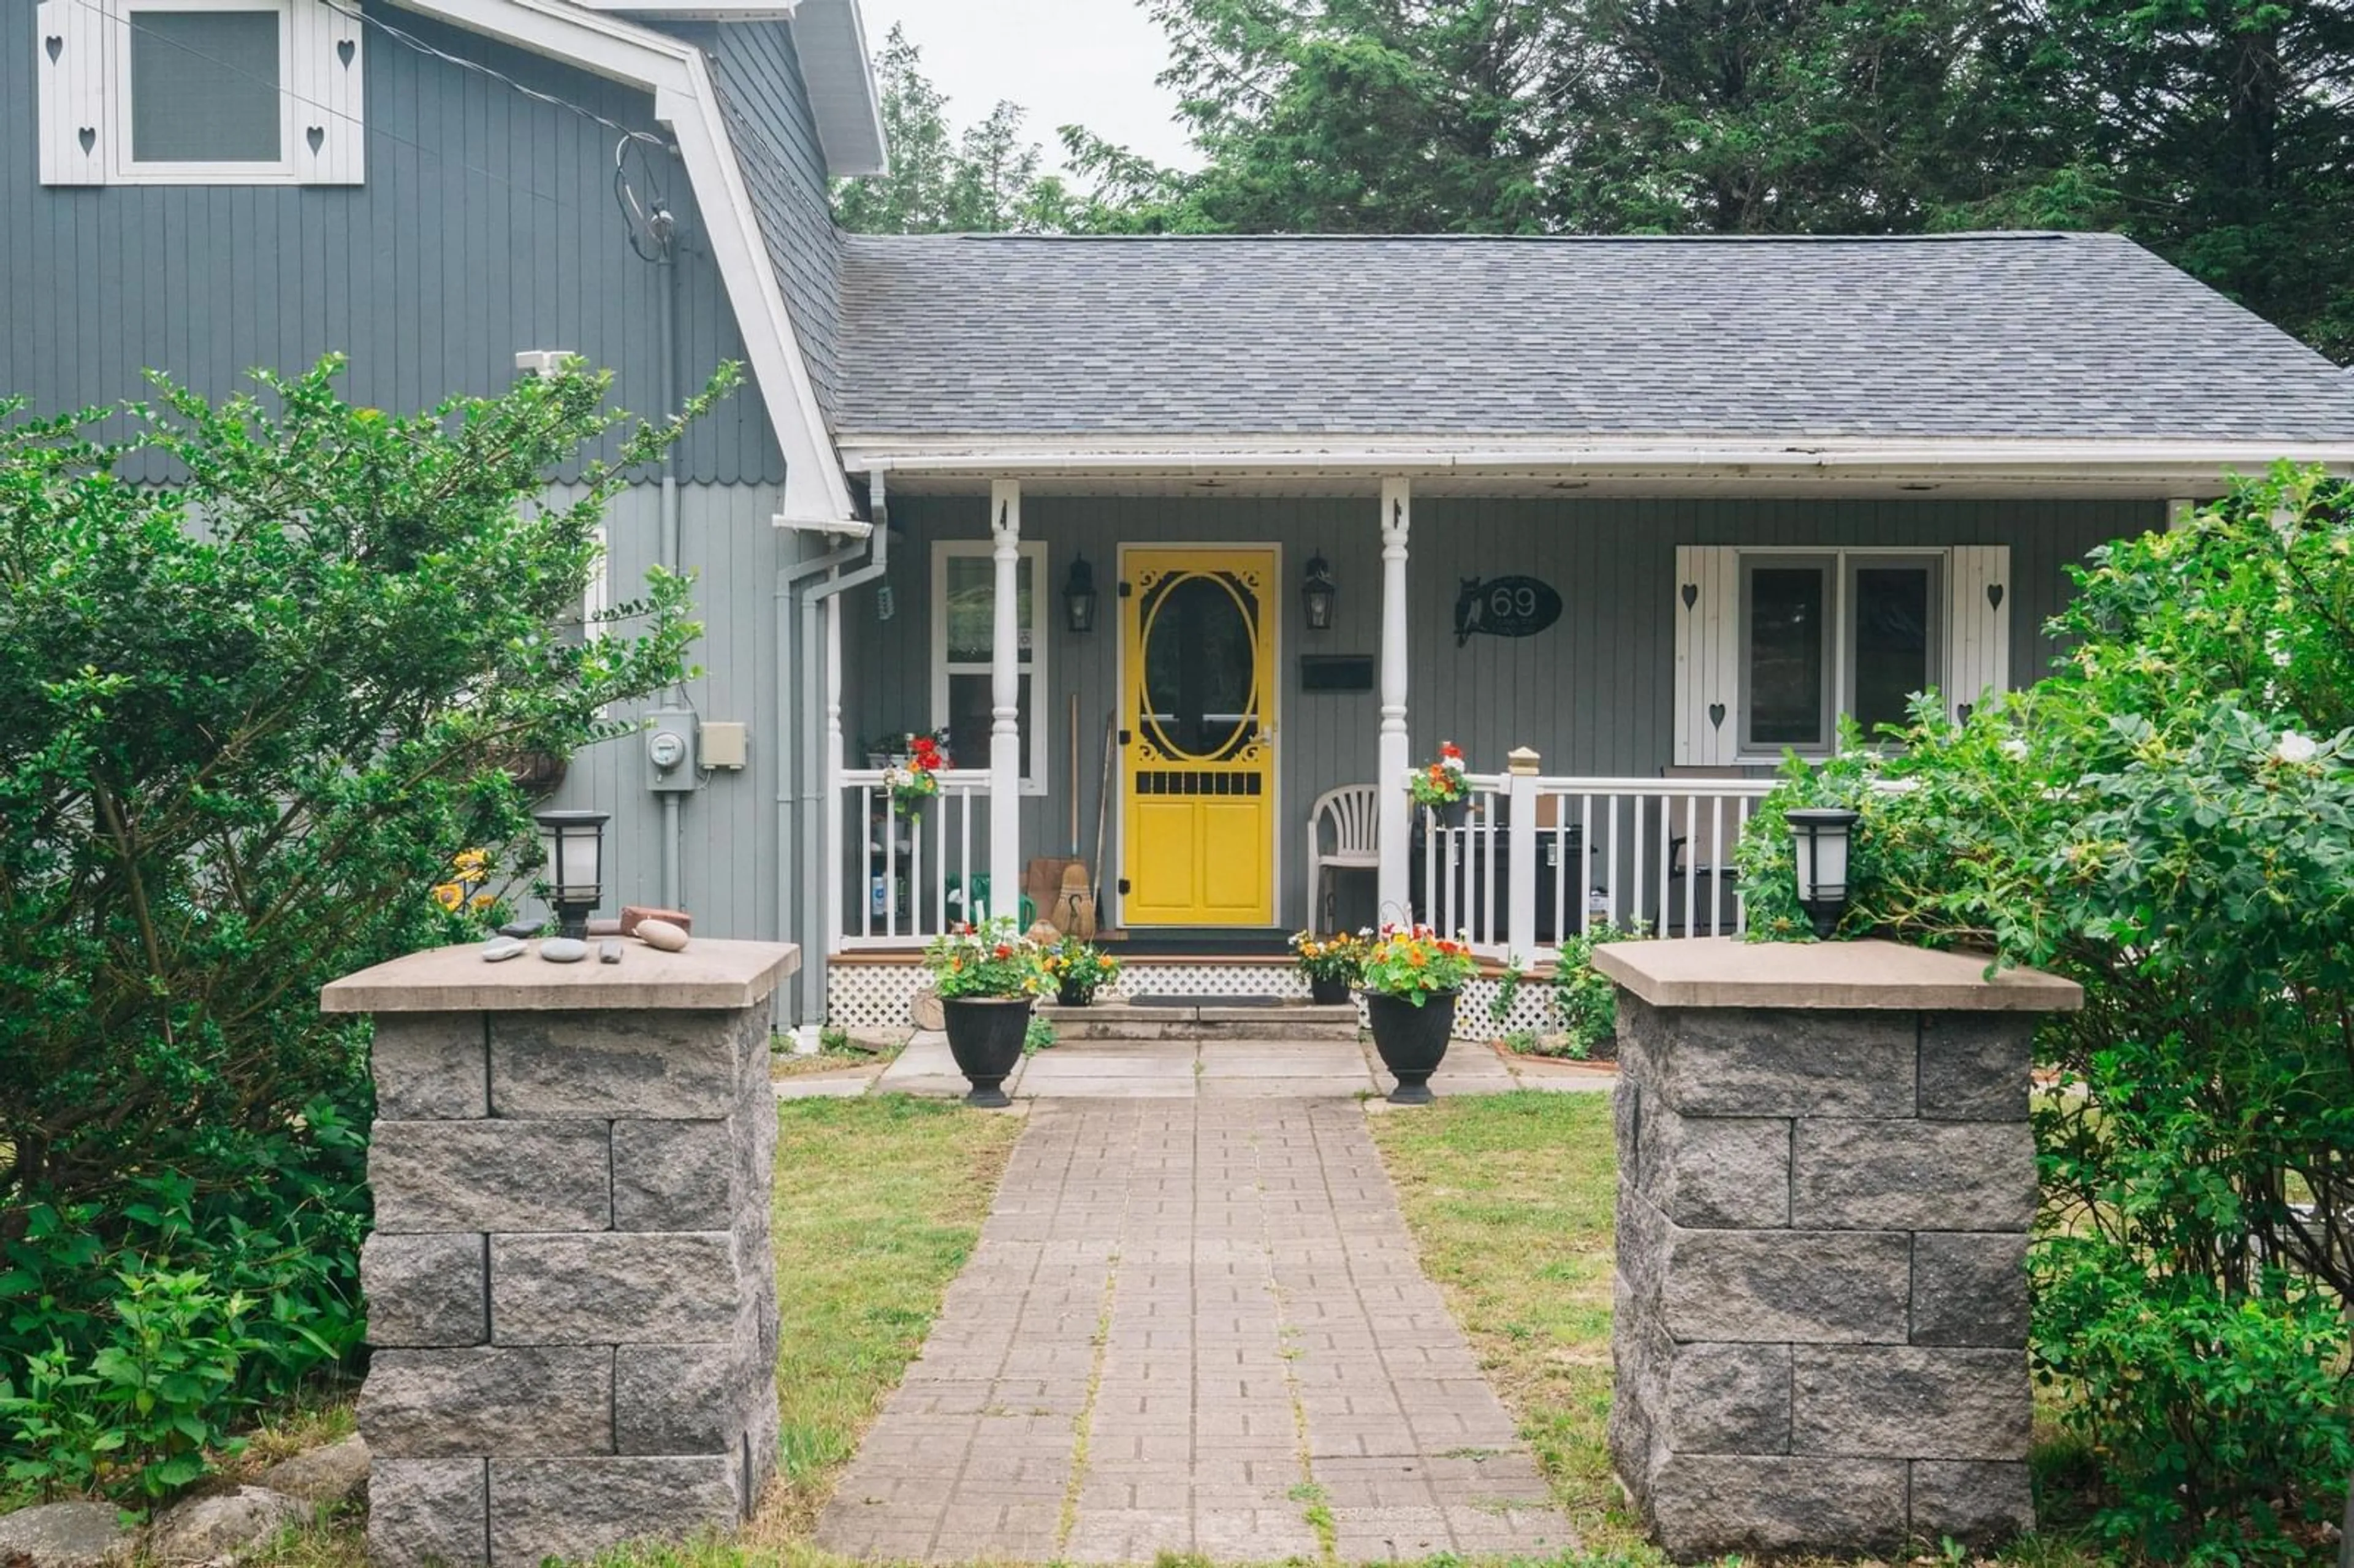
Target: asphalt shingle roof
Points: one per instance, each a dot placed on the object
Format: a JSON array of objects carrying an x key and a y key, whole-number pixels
[{"x": 2021, "y": 336}]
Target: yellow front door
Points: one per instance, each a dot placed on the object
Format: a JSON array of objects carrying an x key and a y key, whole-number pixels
[{"x": 1197, "y": 733}]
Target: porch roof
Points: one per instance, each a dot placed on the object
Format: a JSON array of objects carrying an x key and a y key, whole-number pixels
[{"x": 1665, "y": 350}]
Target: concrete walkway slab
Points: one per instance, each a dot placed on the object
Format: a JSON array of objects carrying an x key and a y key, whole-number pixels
[
  {"x": 1194, "y": 1325},
  {"x": 1225, "y": 1069}
]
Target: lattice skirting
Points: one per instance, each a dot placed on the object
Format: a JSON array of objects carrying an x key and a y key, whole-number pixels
[
  {"x": 1531, "y": 1009},
  {"x": 870, "y": 998}
]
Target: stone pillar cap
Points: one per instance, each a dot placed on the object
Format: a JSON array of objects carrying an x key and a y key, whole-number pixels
[
  {"x": 1726, "y": 972},
  {"x": 709, "y": 976}
]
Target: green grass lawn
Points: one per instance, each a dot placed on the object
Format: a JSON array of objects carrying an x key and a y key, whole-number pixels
[
  {"x": 1510, "y": 1199},
  {"x": 878, "y": 1204}
]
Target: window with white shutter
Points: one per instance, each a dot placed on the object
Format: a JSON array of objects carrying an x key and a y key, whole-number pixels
[
  {"x": 200, "y": 92},
  {"x": 1775, "y": 646}
]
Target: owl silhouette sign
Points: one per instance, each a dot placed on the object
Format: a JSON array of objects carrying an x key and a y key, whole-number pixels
[{"x": 1504, "y": 607}]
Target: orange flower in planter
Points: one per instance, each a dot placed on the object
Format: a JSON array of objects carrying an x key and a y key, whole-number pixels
[{"x": 1441, "y": 783}]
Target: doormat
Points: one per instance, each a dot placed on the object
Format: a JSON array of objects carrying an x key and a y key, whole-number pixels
[{"x": 1209, "y": 1002}]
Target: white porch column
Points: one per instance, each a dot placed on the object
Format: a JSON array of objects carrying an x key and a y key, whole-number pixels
[
  {"x": 1006, "y": 703},
  {"x": 1394, "y": 879},
  {"x": 1521, "y": 855}
]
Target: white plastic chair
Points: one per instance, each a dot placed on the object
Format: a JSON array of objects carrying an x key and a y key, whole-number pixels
[{"x": 1351, "y": 810}]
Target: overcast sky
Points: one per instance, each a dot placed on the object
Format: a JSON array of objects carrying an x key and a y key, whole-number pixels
[{"x": 1087, "y": 62}]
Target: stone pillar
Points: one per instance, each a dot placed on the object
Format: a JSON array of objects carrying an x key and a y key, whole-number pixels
[
  {"x": 570, "y": 1288},
  {"x": 1825, "y": 1180}
]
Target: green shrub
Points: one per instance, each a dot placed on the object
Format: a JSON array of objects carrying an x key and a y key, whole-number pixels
[
  {"x": 1586, "y": 1000},
  {"x": 2170, "y": 821},
  {"x": 249, "y": 716},
  {"x": 2219, "y": 1419},
  {"x": 137, "y": 1417}
]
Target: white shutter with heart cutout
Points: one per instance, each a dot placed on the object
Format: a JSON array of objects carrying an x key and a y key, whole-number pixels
[
  {"x": 326, "y": 73},
  {"x": 1978, "y": 625},
  {"x": 72, "y": 72},
  {"x": 1707, "y": 609},
  {"x": 82, "y": 70}
]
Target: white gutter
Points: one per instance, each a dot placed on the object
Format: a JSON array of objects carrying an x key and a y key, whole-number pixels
[
  {"x": 1439, "y": 456},
  {"x": 676, "y": 72}
]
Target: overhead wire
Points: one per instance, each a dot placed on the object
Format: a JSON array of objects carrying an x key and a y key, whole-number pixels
[{"x": 407, "y": 41}]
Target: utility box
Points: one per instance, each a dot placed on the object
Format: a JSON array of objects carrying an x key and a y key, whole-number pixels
[
  {"x": 671, "y": 765},
  {"x": 724, "y": 745}
]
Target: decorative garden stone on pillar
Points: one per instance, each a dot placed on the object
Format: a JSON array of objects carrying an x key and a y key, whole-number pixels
[
  {"x": 570, "y": 1288},
  {"x": 1825, "y": 1183}
]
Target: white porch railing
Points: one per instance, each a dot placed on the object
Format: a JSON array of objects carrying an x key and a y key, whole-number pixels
[
  {"x": 913, "y": 877},
  {"x": 1659, "y": 850}
]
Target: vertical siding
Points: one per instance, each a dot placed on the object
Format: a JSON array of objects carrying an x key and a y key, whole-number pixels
[
  {"x": 729, "y": 867},
  {"x": 1595, "y": 695},
  {"x": 487, "y": 225}
]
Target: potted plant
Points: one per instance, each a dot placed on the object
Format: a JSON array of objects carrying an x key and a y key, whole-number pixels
[
  {"x": 986, "y": 980},
  {"x": 914, "y": 780},
  {"x": 1412, "y": 979},
  {"x": 1440, "y": 786},
  {"x": 1332, "y": 964},
  {"x": 1077, "y": 970}
]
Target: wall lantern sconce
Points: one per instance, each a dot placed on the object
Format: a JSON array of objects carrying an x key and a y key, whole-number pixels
[
  {"x": 1079, "y": 598},
  {"x": 573, "y": 842},
  {"x": 1821, "y": 838},
  {"x": 1316, "y": 593}
]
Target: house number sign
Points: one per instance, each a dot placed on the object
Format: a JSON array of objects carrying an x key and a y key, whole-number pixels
[{"x": 1504, "y": 607}]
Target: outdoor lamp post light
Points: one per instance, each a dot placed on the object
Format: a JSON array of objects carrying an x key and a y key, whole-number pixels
[
  {"x": 1317, "y": 592},
  {"x": 573, "y": 842},
  {"x": 1821, "y": 836},
  {"x": 1079, "y": 598}
]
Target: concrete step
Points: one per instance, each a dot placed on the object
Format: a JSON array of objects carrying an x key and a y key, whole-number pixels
[{"x": 1120, "y": 1021}]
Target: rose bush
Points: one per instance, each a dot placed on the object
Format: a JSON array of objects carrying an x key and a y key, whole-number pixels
[{"x": 2169, "y": 819}]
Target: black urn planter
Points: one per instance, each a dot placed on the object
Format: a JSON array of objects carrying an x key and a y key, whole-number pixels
[
  {"x": 985, "y": 1035},
  {"x": 1412, "y": 1039},
  {"x": 1327, "y": 993},
  {"x": 1068, "y": 995}
]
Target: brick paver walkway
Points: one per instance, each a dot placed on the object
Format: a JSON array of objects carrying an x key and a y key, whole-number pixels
[{"x": 1194, "y": 1325}]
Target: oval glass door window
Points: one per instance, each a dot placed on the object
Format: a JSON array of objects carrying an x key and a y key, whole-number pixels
[{"x": 1201, "y": 668}]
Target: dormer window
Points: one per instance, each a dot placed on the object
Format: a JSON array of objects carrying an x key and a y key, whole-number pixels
[{"x": 222, "y": 92}]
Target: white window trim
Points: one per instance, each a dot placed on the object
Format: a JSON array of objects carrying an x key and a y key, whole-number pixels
[
  {"x": 86, "y": 106},
  {"x": 1842, "y": 559},
  {"x": 125, "y": 169},
  {"x": 1035, "y": 736}
]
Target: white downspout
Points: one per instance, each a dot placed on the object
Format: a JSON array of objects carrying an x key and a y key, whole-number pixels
[
  {"x": 791, "y": 616},
  {"x": 819, "y": 758}
]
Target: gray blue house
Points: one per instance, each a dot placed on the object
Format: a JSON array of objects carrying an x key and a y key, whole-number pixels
[{"x": 1190, "y": 548}]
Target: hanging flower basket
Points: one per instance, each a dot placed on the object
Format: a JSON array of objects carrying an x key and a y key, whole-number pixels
[
  {"x": 1440, "y": 786},
  {"x": 914, "y": 782}
]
